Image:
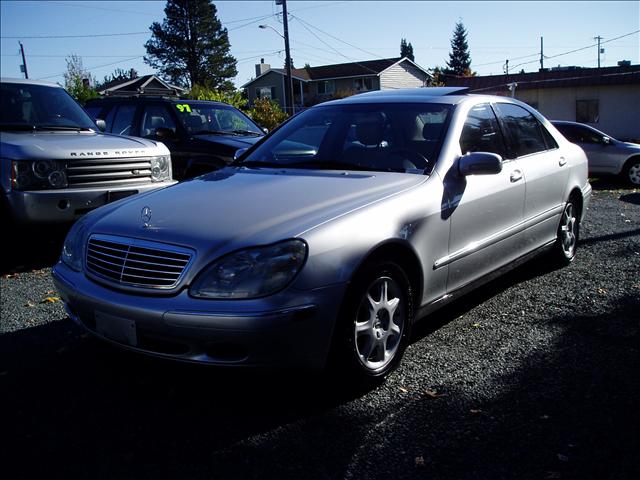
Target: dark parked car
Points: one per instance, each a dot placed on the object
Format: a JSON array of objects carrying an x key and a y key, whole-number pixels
[
  {"x": 606, "y": 155},
  {"x": 202, "y": 135}
]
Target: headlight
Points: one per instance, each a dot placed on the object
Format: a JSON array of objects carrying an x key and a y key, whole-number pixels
[
  {"x": 161, "y": 168},
  {"x": 251, "y": 273},
  {"x": 74, "y": 246},
  {"x": 37, "y": 175}
]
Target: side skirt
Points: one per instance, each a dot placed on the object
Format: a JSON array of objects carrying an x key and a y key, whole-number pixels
[{"x": 431, "y": 307}]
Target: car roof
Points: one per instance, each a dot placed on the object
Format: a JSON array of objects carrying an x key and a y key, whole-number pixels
[
  {"x": 27, "y": 81},
  {"x": 448, "y": 95}
]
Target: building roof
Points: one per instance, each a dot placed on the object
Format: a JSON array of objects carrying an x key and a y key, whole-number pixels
[
  {"x": 566, "y": 77},
  {"x": 145, "y": 85},
  {"x": 341, "y": 70}
]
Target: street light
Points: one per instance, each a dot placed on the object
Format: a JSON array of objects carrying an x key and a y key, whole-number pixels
[{"x": 289, "y": 91}]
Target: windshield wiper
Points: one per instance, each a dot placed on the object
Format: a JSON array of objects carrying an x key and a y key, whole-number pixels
[
  {"x": 247, "y": 132},
  {"x": 24, "y": 127},
  {"x": 310, "y": 164},
  {"x": 214, "y": 132}
]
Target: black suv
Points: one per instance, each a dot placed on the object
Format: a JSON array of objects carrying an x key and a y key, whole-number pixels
[{"x": 201, "y": 135}]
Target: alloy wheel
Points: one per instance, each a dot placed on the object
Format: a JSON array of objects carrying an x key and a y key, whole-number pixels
[{"x": 380, "y": 322}]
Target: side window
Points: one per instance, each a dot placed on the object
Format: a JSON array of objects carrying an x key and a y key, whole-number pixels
[
  {"x": 121, "y": 119},
  {"x": 481, "y": 132},
  {"x": 548, "y": 138},
  {"x": 524, "y": 130},
  {"x": 93, "y": 111},
  {"x": 154, "y": 117}
]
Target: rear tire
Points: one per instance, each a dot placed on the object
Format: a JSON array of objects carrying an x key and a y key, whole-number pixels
[
  {"x": 631, "y": 172},
  {"x": 564, "y": 250},
  {"x": 374, "y": 325}
]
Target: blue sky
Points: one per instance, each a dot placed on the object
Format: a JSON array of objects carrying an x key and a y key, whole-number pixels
[{"x": 318, "y": 31}]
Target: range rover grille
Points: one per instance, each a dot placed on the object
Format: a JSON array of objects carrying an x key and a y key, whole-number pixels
[
  {"x": 108, "y": 172},
  {"x": 136, "y": 263}
]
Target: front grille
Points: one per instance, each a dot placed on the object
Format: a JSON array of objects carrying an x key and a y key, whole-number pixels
[
  {"x": 93, "y": 172},
  {"x": 137, "y": 263}
]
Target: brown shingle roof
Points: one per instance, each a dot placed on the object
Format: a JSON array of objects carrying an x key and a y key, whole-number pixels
[
  {"x": 577, "y": 77},
  {"x": 342, "y": 70}
]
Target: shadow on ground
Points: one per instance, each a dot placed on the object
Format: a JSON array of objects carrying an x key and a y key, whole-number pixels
[
  {"x": 31, "y": 248},
  {"x": 75, "y": 408}
]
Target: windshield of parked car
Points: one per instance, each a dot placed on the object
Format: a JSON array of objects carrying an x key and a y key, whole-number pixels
[
  {"x": 39, "y": 107},
  {"x": 199, "y": 118},
  {"x": 399, "y": 137}
]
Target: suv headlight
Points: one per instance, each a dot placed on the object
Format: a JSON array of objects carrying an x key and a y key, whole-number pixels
[
  {"x": 37, "y": 175},
  {"x": 74, "y": 245},
  {"x": 251, "y": 273},
  {"x": 161, "y": 168}
]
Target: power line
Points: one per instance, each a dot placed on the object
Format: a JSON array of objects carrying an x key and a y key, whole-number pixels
[
  {"x": 336, "y": 51},
  {"x": 579, "y": 49},
  {"x": 336, "y": 38},
  {"x": 94, "y": 67},
  {"x": 76, "y": 36}
]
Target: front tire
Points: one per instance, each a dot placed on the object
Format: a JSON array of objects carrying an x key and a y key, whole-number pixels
[{"x": 374, "y": 326}]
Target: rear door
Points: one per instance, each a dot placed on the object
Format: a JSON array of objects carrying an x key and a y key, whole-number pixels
[{"x": 545, "y": 171}]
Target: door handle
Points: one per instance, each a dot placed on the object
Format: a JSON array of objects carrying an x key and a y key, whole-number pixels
[
  {"x": 516, "y": 175},
  {"x": 562, "y": 161}
]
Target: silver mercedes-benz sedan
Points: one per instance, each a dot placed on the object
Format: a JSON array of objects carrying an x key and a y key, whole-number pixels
[{"x": 326, "y": 241}]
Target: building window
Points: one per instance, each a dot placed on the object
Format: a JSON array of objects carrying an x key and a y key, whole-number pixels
[
  {"x": 362, "y": 84},
  {"x": 326, "y": 87},
  {"x": 266, "y": 92},
  {"x": 587, "y": 111}
]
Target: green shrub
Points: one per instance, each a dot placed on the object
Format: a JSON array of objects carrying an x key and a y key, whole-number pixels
[{"x": 267, "y": 113}]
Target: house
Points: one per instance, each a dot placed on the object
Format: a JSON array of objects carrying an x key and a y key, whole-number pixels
[
  {"x": 313, "y": 85},
  {"x": 145, "y": 85},
  {"x": 607, "y": 98}
]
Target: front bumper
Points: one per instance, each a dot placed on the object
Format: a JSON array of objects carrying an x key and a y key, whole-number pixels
[
  {"x": 290, "y": 329},
  {"x": 67, "y": 205}
]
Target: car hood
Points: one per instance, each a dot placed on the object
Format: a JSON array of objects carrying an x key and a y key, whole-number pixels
[
  {"x": 72, "y": 145},
  {"x": 238, "y": 207},
  {"x": 233, "y": 141}
]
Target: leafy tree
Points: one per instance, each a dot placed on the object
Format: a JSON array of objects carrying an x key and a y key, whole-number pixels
[
  {"x": 459, "y": 63},
  {"x": 267, "y": 113},
  {"x": 78, "y": 81},
  {"x": 191, "y": 46},
  {"x": 234, "y": 98},
  {"x": 119, "y": 75},
  {"x": 406, "y": 50}
]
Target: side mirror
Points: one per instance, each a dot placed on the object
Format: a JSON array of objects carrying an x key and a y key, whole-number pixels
[
  {"x": 239, "y": 153},
  {"x": 606, "y": 140},
  {"x": 265, "y": 130},
  {"x": 164, "y": 133},
  {"x": 480, "y": 163},
  {"x": 101, "y": 124}
]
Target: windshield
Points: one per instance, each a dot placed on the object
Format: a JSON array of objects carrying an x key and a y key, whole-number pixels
[
  {"x": 211, "y": 118},
  {"x": 402, "y": 137},
  {"x": 29, "y": 107}
]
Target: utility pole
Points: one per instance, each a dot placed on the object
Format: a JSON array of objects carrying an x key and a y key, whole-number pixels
[
  {"x": 24, "y": 61},
  {"x": 598, "y": 38},
  {"x": 289, "y": 93},
  {"x": 505, "y": 67},
  {"x": 541, "y": 53}
]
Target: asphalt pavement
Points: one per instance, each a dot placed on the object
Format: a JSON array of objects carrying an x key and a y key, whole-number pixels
[{"x": 533, "y": 376}]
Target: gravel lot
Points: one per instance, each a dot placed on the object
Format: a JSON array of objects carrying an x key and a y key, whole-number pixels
[{"x": 534, "y": 376}]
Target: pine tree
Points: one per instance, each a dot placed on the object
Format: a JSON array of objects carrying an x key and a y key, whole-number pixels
[
  {"x": 406, "y": 50},
  {"x": 191, "y": 47},
  {"x": 459, "y": 63}
]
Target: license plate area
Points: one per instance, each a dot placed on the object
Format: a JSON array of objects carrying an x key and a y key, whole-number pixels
[{"x": 118, "y": 329}]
